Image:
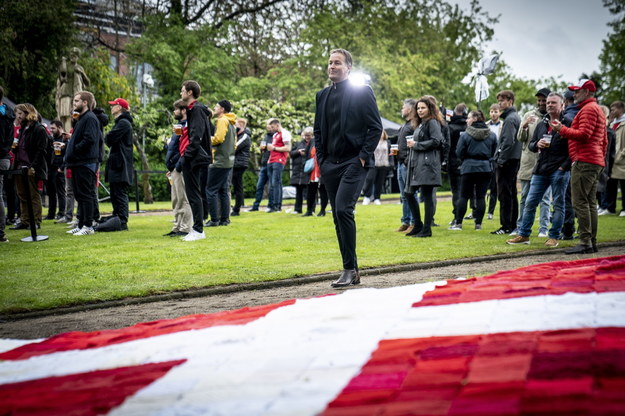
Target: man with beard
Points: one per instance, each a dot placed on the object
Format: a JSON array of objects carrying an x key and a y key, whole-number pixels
[
  {"x": 195, "y": 153},
  {"x": 528, "y": 160},
  {"x": 347, "y": 130},
  {"x": 119, "y": 171},
  {"x": 83, "y": 152},
  {"x": 588, "y": 143}
]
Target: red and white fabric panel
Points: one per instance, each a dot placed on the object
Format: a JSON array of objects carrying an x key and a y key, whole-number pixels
[{"x": 544, "y": 339}]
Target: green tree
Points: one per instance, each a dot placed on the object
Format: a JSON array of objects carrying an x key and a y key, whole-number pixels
[
  {"x": 106, "y": 84},
  {"x": 612, "y": 55},
  {"x": 34, "y": 35}
]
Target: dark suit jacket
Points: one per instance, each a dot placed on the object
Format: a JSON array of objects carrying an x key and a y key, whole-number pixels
[{"x": 361, "y": 126}]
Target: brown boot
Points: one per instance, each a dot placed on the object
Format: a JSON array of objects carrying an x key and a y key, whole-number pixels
[{"x": 402, "y": 228}]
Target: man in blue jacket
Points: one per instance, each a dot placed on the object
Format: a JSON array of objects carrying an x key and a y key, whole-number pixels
[{"x": 82, "y": 155}]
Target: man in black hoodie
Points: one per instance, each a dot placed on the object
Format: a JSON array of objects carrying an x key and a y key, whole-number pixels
[
  {"x": 119, "y": 170},
  {"x": 508, "y": 158},
  {"x": 82, "y": 156},
  {"x": 195, "y": 153},
  {"x": 7, "y": 117}
]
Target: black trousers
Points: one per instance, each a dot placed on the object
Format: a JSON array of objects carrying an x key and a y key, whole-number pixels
[
  {"x": 427, "y": 195},
  {"x": 237, "y": 187},
  {"x": 507, "y": 192},
  {"x": 492, "y": 197},
  {"x": 299, "y": 197},
  {"x": 311, "y": 200},
  {"x": 344, "y": 182},
  {"x": 55, "y": 185},
  {"x": 119, "y": 199},
  {"x": 218, "y": 193},
  {"x": 454, "y": 183},
  {"x": 191, "y": 177},
  {"x": 473, "y": 185},
  {"x": 84, "y": 185},
  {"x": 203, "y": 188}
]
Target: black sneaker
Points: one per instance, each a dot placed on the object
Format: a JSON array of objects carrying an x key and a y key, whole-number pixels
[
  {"x": 211, "y": 224},
  {"x": 224, "y": 223},
  {"x": 501, "y": 231},
  {"x": 4, "y": 239},
  {"x": 235, "y": 214}
]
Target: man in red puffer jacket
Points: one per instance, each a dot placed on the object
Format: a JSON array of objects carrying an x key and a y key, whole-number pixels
[{"x": 588, "y": 142}]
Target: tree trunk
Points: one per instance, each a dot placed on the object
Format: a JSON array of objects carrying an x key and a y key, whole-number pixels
[{"x": 148, "y": 198}]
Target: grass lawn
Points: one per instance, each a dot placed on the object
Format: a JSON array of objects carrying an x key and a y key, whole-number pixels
[{"x": 67, "y": 270}]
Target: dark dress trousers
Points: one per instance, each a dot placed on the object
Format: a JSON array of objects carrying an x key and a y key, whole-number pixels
[{"x": 347, "y": 128}]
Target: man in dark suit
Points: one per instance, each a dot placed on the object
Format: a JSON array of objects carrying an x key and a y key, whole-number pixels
[{"x": 347, "y": 130}]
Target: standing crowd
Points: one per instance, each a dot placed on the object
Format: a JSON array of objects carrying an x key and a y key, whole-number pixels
[{"x": 561, "y": 153}]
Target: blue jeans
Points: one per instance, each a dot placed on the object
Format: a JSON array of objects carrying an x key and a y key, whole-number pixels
[
  {"x": 406, "y": 217},
  {"x": 545, "y": 207},
  {"x": 274, "y": 170},
  {"x": 263, "y": 178},
  {"x": 539, "y": 184}
]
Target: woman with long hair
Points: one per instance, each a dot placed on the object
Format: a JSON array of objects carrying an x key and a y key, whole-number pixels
[
  {"x": 424, "y": 164},
  {"x": 30, "y": 154},
  {"x": 475, "y": 150}
]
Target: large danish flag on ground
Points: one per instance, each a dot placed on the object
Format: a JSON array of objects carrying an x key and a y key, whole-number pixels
[{"x": 547, "y": 339}]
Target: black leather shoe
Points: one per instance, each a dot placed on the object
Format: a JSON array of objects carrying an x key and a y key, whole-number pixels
[
  {"x": 308, "y": 214},
  {"x": 211, "y": 224},
  {"x": 415, "y": 230},
  {"x": 224, "y": 222},
  {"x": 170, "y": 234},
  {"x": 579, "y": 249},
  {"x": 348, "y": 277},
  {"x": 322, "y": 214},
  {"x": 424, "y": 234},
  {"x": 20, "y": 226},
  {"x": 235, "y": 214}
]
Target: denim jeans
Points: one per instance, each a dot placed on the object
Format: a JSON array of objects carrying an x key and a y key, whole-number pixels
[
  {"x": 263, "y": 178},
  {"x": 274, "y": 171},
  {"x": 539, "y": 185},
  {"x": 406, "y": 217},
  {"x": 545, "y": 207}
]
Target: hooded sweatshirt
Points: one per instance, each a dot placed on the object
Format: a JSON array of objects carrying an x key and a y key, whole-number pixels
[
  {"x": 224, "y": 141},
  {"x": 476, "y": 148}
]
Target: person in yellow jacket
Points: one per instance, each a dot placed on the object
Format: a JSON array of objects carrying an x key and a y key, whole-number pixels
[{"x": 223, "y": 144}]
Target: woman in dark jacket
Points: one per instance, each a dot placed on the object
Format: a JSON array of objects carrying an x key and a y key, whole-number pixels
[
  {"x": 241, "y": 161},
  {"x": 424, "y": 164},
  {"x": 299, "y": 178},
  {"x": 476, "y": 149},
  {"x": 31, "y": 153}
]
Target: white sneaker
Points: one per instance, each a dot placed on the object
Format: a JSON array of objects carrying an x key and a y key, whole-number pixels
[
  {"x": 194, "y": 235},
  {"x": 515, "y": 232},
  {"x": 605, "y": 212},
  {"x": 366, "y": 200},
  {"x": 489, "y": 216},
  {"x": 622, "y": 214},
  {"x": 73, "y": 230},
  {"x": 455, "y": 227},
  {"x": 542, "y": 234},
  {"x": 377, "y": 202},
  {"x": 85, "y": 231}
]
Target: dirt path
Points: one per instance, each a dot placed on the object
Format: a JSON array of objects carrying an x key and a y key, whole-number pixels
[{"x": 125, "y": 313}]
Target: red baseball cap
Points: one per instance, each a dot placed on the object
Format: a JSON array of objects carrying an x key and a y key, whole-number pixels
[
  {"x": 120, "y": 101},
  {"x": 584, "y": 84}
]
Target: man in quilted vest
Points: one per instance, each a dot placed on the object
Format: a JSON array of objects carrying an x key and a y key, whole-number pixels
[{"x": 588, "y": 142}]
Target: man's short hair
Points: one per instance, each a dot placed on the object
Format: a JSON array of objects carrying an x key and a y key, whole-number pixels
[
  {"x": 410, "y": 101},
  {"x": 556, "y": 94},
  {"x": 495, "y": 107},
  {"x": 619, "y": 105},
  {"x": 308, "y": 130},
  {"x": 180, "y": 105},
  {"x": 193, "y": 86},
  {"x": 506, "y": 95},
  {"x": 273, "y": 121},
  {"x": 477, "y": 114},
  {"x": 461, "y": 109},
  {"x": 225, "y": 104},
  {"x": 57, "y": 123},
  {"x": 88, "y": 97},
  {"x": 348, "y": 56}
]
